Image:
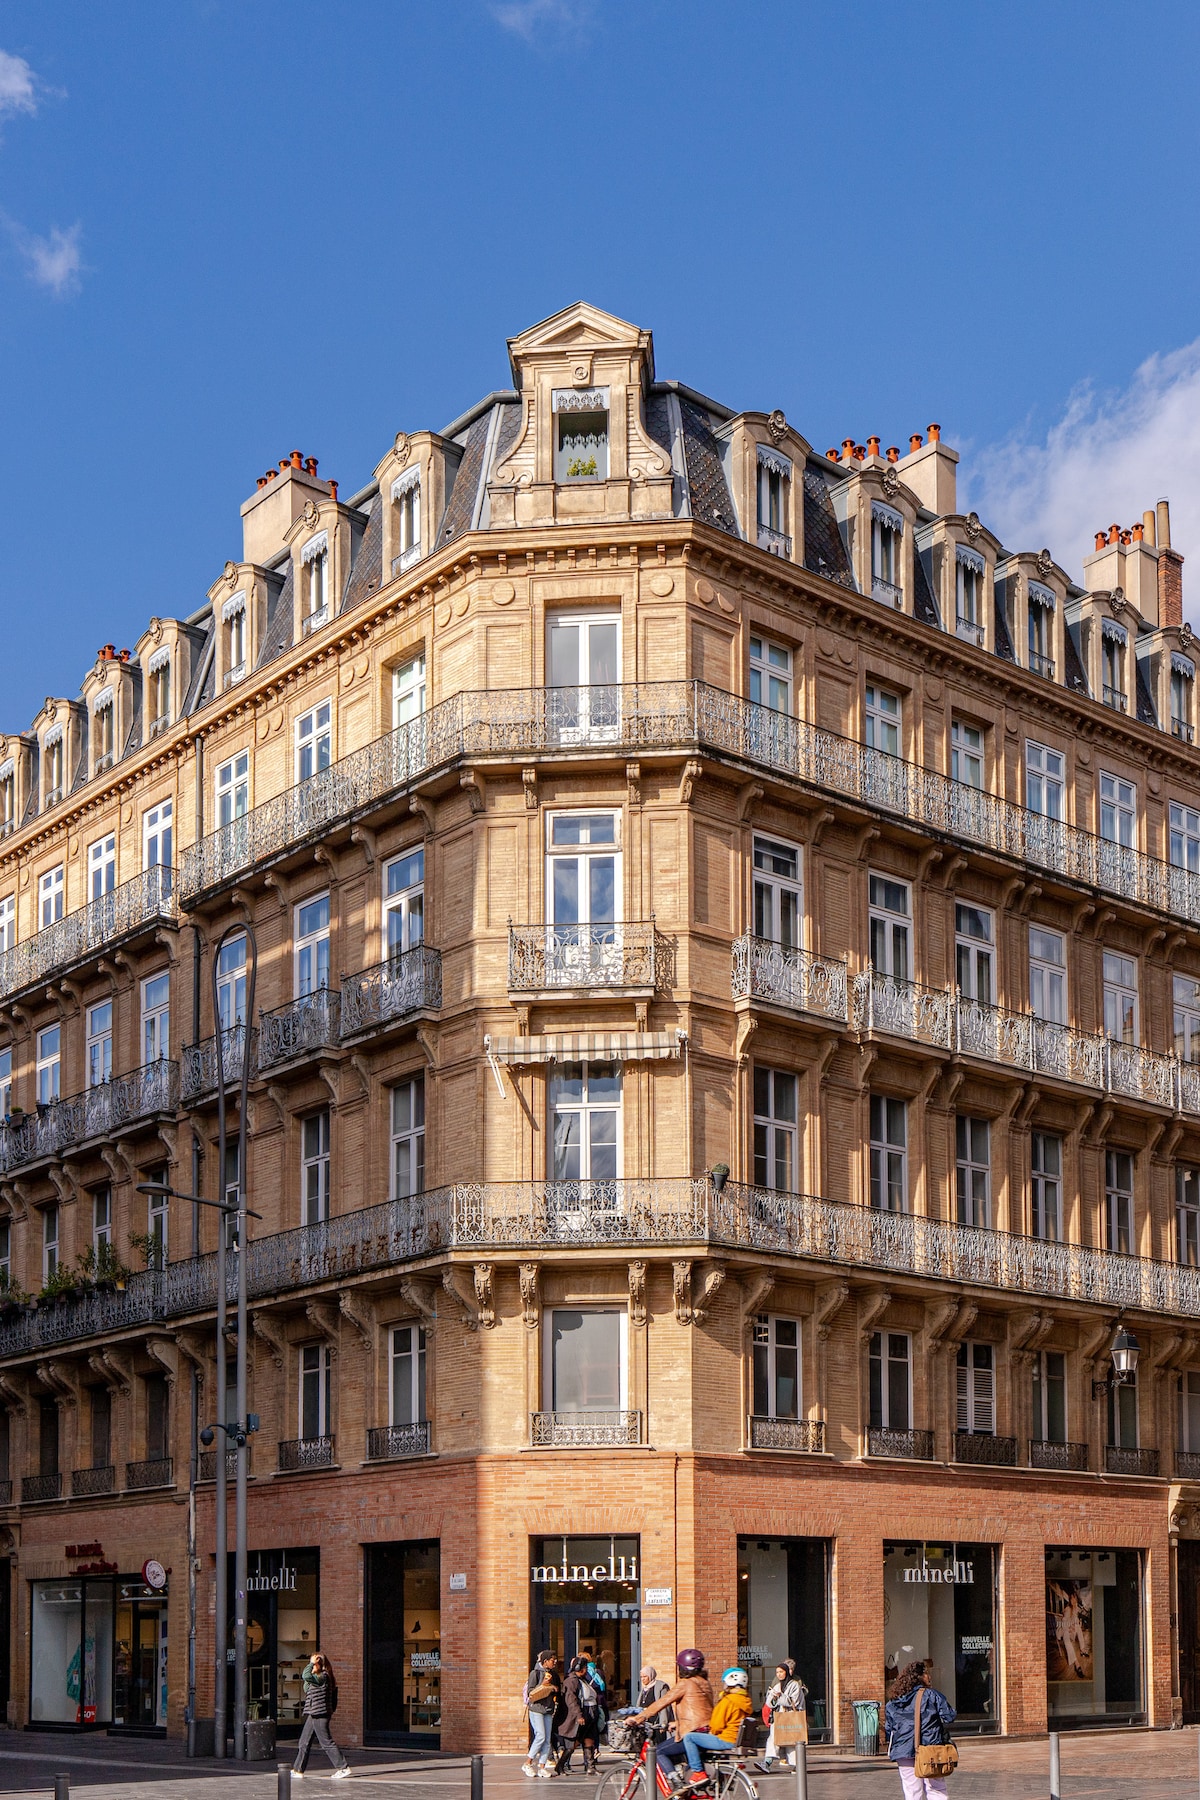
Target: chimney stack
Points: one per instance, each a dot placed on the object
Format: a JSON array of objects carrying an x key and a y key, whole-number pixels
[
  {"x": 1170, "y": 571},
  {"x": 1148, "y": 524}
]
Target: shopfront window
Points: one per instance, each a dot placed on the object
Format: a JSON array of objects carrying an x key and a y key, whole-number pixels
[
  {"x": 282, "y": 1630},
  {"x": 403, "y": 1659},
  {"x": 939, "y": 1602},
  {"x": 140, "y": 1667},
  {"x": 783, "y": 1611},
  {"x": 584, "y": 1602},
  {"x": 1094, "y": 1652},
  {"x": 72, "y": 1653}
]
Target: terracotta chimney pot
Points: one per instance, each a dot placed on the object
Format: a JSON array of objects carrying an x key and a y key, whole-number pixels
[
  {"x": 1101, "y": 539},
  {"x": 935, "y": 434},
  {"x": 333, "y": 492},
  {"x": 1149, "y": 520},
  {"x": 1125, "y": 537},
  {"x": 272, "y": 474},
  {"x": 1114, "y": 534},
  {"x": 872, "y": 446},
  {"x": 1163, "y": 509},
  {"x": 847, "y": 449},
  {"x": 1137, "y": 532},
  {"x": 915, "y": 442},
  {"x": 124, "y": 656},
  {"x": 831, "y": 453},
  {"x": 310, "y": 465},
  {"x": 893, "y": 454},
  {"x": 860, "y": 454},
  {"x": 261, "y": 482},
  {"x": 297, "y": 460},
  {"x": 285, "y": 463}
]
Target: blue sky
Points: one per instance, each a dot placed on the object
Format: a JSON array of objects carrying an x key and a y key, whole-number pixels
[{"x": 228, "y": 230}]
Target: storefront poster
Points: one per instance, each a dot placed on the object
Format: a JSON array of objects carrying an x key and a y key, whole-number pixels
[{"x": 1069, "y": 1630}]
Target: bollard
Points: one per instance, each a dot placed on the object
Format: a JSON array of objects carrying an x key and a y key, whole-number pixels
[
  {"x": 650, "y": 1772},
  {"x": 1055, "y": 1771},
  {"x": 283, "y": 1780},
  {"x": 477, "y": 1778},
  {"x": 801, "y": 1772},
  {"x": 62, "y": 1787}
]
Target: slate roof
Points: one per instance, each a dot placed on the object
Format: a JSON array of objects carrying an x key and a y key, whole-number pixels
[
  {"x": 1145, "y": 704},
  {"x": 658, "y": 421},
  {"x": 506, "y": 437},
  {"x": 367, "y": 573},
  {"x": 711, "y": 503},
  {"x": 280, "y": 622},
  {"x": 1004, "y": 643},
  {"x": 461, "y": 509},
  {"x": 1073, "y": 671},
  {"x": 924, "y": 604},
  {"x": 824, "y": 551}
]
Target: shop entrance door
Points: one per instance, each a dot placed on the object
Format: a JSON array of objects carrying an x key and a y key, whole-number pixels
[
  {"x": 611, "y": 1635},
  {"x": 1189, "y": 1629},
  {"x": 139, "y": 1672}
]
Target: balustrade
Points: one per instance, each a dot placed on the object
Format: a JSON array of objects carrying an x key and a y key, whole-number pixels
[
  {"x": 630, "y": 954},
  {"x": 100, "y": 1112},
  {"x": 307, "y": 1023},
  {"x": 148, "y": 899},
  {"x": 199, "y": 1074},
  {"x": 796, "y": 978},
  {"x": 787, "y": 1434},
  {"x": 599, "y": 1429},
  {"x": 388, "y": 1443},
  {"x": 406, "y": 983},
  {"x": 305, "y": 1453}
]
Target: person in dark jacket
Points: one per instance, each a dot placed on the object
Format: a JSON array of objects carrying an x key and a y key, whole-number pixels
[
  {"x": 320, "y": 1704},
  {"x": 912, "y": 1688},
  {"x": 650, "y": 1690},
  {"x": 578, "y": 1724},
  {"x": 544, "y": 1673}
]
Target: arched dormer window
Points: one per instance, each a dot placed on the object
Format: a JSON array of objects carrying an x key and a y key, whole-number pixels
[
  {"x": 233, "y": 625},
  {"x": 406, "y": 498},
  {"x": 104, "y": 731},
  {"x": 970, "y": 571},
  {"x": 314, "y": 565},
  {"x": 774, "y": 501},
  {"x": 53, "y": 755},
  {"x": 1041, "y": 607},
  {"x": 158, "y": 690},
  {"x": 8, "y": 797},
  {"x": 887, "y": 532}
]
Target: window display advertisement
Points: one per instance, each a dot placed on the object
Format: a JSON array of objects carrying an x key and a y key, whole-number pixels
[
  {"x": 939, "y": 1603},
  {"x": 1094, "y": 1638},
  {"x": 98, "y": 1653}
]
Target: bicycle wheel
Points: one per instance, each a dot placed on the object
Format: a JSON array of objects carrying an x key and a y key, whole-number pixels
[
  {"x": 621, "y": 1783},
  {"x": 738, "y": 1786}
]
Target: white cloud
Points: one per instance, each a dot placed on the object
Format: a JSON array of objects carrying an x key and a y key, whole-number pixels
[
  {"x": 54, "y": 260},
  {"x": 535, "y": 20},
  {"x": 18, "y": 88},
  {"x": 1108, "y": 458}
]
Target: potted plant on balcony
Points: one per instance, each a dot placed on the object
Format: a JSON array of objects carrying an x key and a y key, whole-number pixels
[
  {"x": 102, "y": 1269},
  {"x": 61, "y": 1286},
  {"x": 150, "y": 1245},
  {"x": 13, "y": 1297},
  {"x": 718, "y": 1175}
]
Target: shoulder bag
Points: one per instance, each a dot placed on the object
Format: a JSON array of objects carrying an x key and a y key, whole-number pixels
[{"x": 931, "y": 1761}]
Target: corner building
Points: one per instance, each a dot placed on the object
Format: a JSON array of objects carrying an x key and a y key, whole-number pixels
[{"x": 723, "y": 1076}]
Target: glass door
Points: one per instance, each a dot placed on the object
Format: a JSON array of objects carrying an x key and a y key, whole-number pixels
[
  {"x": 140, "y": 1666},
  {"x": 583, "y": 676}
]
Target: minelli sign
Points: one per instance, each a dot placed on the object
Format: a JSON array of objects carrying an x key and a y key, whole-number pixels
[
  {"x": 956, "y": 1573},
  {"x": 617, "y": 1568}
]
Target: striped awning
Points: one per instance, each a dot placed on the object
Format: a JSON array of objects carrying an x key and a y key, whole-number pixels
[{"x": 585, "y": 1046}]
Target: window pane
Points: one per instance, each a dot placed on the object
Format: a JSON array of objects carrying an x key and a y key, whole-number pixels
[{"x": 586, "y": 1351}]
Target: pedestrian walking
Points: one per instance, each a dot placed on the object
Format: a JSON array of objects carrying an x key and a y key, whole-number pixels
[
  {"x": 319, "y": 1706},
  {"x": 911, "y": 1690},
  {"x": 579, "y": 1725},
  {"x": 542, "y": 1692}
]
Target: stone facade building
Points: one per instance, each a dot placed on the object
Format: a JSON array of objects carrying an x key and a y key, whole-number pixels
[{"x": 724, "y": 1074}]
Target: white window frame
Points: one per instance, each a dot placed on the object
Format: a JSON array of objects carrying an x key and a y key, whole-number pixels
[
  {"x": 1040, "y": 636},
  {"x": 975, "y": 954},
  {"x": 48, "y": 1065},
  {"x": 52, "y": 897},
  {"x": 967, "y": 753},
  {"x": 231, "y": 984},
  {"x": 1047, "y": 978},
  {"x": 8, "y": 922},
  {"x": 1118, "y": 810},
  {"x": 1046, "y": 1186},
  {"x": 407, "y": 1344},
  {"x": 1044, "y": 1377},
  {"x": 969, "y": 588},
  {"x": 776, "y": 1115},
  {"x": 104, "y": 725},
  {"x": 888, "y": 1145},
  {"x": 314, "y": 741},
  {"x": 620, "y": 1313},
  {"x": 315, "y": 576},
  {"x": 1120, "y": 1207},
  {"x": 158, "y": 1228},
  {"x": 404, "y": 903},
  {"x": 235, "y": 643},
  {"x": 883, "y": 719},
  {"x": 5, "y": 1082},
  {"x": 315, "y": 1167},
  {"x": 158, "y": 681},
  {"x": 777, "y": 891},
  {"x": 1113, "y": 691},
  {"x": 99, "y": 1043},
  {"x": 884, "y": 1360},
  {"x": 585, "y": 710},
  {"x": 1187, "y": 1216},
  {"x": 1187, "y": 1393},
  {"x": 588, "y": 1110},
  {"x": 406, "y": 503},
  {"x": 583, "y": 854},
  {"x": 315, "y": 1363},
  {"x": 232, "y": 787},
  {"x": 102, "y": 1217},
  {"x": 54, "y": 758},
  {"x": 158, "y": 836},
  {"x": 764, "y": 1336},
  {"x": 975, "y": 1388},
  {"x": 771, "y": 679},
  {"x": 973, "y": 1171},
  {"x": 8, "y": 799},
  {"x": 1045, "y": 780},
  {"x": 1121, "y": 1005},
  {"x": 406, "y": 1118},
  {"x": 1182, "y": 689},
  {"x": 887, "y": 538},
  {"x": 312, "y": 939},
  {"x": 409, "y": 690},
  {"x": 773, "y": 498},
  {"x": 102, "y": 866},
  {"x": 1184, "y": 836},
  {"x": 890, "y": 925},
  {"x": 591, "y": 403},
  {"x": 50, "y": 1239},
  {"x": 156, "y": 1017}
]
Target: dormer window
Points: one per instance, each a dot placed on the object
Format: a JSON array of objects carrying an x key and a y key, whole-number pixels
[
  {"x": 52, "y": 780},
  {"x": 233, "y": 624},
  {"x": 104, "y": 716},
  {"x": 774, "y": 501},
  {"x": 970, "y": 570},
  {"x": 1041, "y": 630},
  {"x": 1113, "y": 641},
  {"x": 887, "y": 529},
  {"x": 8, "y": 797},
  {"x": 580, "y": 434},
  {"x": 159, "y": 690},
  {"x": 1183, "y": 686},
  {"x": 406, "y": 498},
  {"x": 314, "y": 562}
]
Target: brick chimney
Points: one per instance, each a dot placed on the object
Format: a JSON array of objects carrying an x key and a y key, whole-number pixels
[{"x": 1170, "y": 571}]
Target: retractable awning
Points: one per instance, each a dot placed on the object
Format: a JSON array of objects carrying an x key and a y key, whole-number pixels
[{"x": 585, "y": 1046}]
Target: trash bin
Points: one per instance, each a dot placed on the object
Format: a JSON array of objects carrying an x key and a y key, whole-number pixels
[
  {"x": 260, "y": 1740},
  {"x": 866, "y": 1727}
]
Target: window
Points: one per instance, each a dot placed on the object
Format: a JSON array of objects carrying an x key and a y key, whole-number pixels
[
  {"x": 8, "y": 799},
  {"x": 159, "y": 685},
  {"x": 770, "y": 675},
  {"x": 315, "y": 582},
  {"x": 882, "y": 720},
  {"x": 102, "y": 867},
  {"x": 1050, "y": 1397},
  {"x": 585, "y": 1120},
  {"x": 1047, "y": 975},
  {"x": 584, "y": 664},
  {"x": 778, "y": 893},
  {"x": 889, "y": 904},
  {"x": 1118, "y": 810},
  {"x": 51, "y": 897},
  {"x": 887, "y": 529},
  {"x": 974, "y": 1171},
  {"x": 1188, "y": 1391},
  {"x": 970, "y": 572},
  {"x": 1112, "y": 665},
  {"x": 1041, "y": 632},
  {"x": 974, "y": 930},
  {"x": 1045, "y": 788},
  {"x": 581, "y": 434},
  {"x": 1118, "y": 1201},
  {"x": 891, "y": 1381},
  {"x": 1187, "y": 1216},
  {"x": 407, "y": 1389},
  {"x": 158, "y": 1420},
  {"x": 5, "y": 1251},
  {"x": 406, "y": 498},
  {"x": 49, "y": 1046},
  {"x": 1184, "y": 836},
  {"x": 157, "y": 1223},
  {"x": 233, "y": 1191},
  {"x": 156, "y": 1017},
  {"x": 408, "y": 690},
  {"x": 312, "y": 945},
  {"x": 101, "y": 1423},
  {"x": 889, "y": 1154},
  {"x": 1046, "y": 1197},
  {"x": 403, "y": 903},
  {"x": 233, "y": 789},
  {"x": 99, "y": 1043},
  {"x": 8, "y": 922},
  {"x": 1183, "y": 684},
  {"x": 1120, "y": 997},
  {"x": 103, "y": 725},
  {"x": 234, "y": 616},
  {"x": 5, "y": 1083},
  {"x": 49, "y": 1242},
  {"x": 408, "y": 1138},
  {"x": 775, "y": 1119},
  {"x": 52, "y": 780},
  {"x": 586, "y": 1353},
  {"x": 315, "y": 1391},
  {"x": 102, "y": 1219},
  {"x": 158, "y": 842},
  {"x": 583, "y": 867},
  {"x": 314, "y": 1167},
  {"x": 976, "y": 1410},
  {"x": 775, "y": 1371},
  {"x": 231, "y": 983},
  {"x": 314, "y": 741},
  {"x": 48, "y": 1437},
  {"x": 966, "y": 753},
  {"x": 774, "y": 490},
  {"x": 1123, "y": 1414}
]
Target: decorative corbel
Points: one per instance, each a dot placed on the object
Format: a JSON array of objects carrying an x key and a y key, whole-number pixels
[
  {"x": 687, "y": 781},
  {"x": 938, "y": 1319},
  {"x": 328, "y": 1073},
  {"x": 359, "y": 1065},
  {"x": 1103, "y": 920},
  {"x": 168, "y": 1136},
  {"x": 871, "y": 1308},
  {"x": 164, "y": 1353},
  {"x": 1166, "y": 1352},
  {"x": 241, "y": 900},
  {"x": 529, "y": 1275},
  {"x": 868, "y": 1056},
  {"x": 964, "y": 1318},
  {"x": 1100, "y": 1343},
  {"x": 1094, "y": 1128},
  {"x": 420, "y": 1296},
  {"x": 1032, "y": 893},
  {"x": 929, "y": 860},
  {"x": 821, "y": 821},
  {"x": 426, "y": 1035},
  {"x": 755, "y": 1289},
  {"x": 354, "y": 1305},
  {"x": 637, "y": 1293},
  {"x": 267, "y": 1327},
  {"x": 424, "y": 811},
  {"x": 364, "y": 837},
  {"x": 273, "y": 879},
  {"x": 323, "y": 1316},
  {"x": 323, "y": 857},
  {"x": 633, "y": 783},
  {"x": 472, "y": 786},
  {"x": 956, "y": 863},
  {"x": 114, "y": 1373},
  {"x": 529, "y": 781},
  {"x": 1166, "y": 1140},
  {"x": 116, "y": 1165},
  {"x": 951, "y": 1077},
  {"x": 63, "y": 1185},
  {"x": 681, "y": 1291},
  {"x": 1027, "y": 1331},
  {"x": 166, "y": 940},
  {"x": 863, "y": 838},
  {"x": 747, "y": 794},
  {"x": 12, "y": 1393},
  {"x": 278, "y": 1098},
  {"x": 747, "y": 1025},
  {"x": 197, "y": 1350},
  {"x": 1175, "y": 942},
  {"x": 830, "y": 1302},
  {"x": 58, "y": 1378},
  {"x": 484, "y": 1295},
  {"x": 73, "y": 992},
  {"x": 714, "y": 1278},
  {"x": 455, "y": 1283},
  {"x": 1081, "y": 913}
]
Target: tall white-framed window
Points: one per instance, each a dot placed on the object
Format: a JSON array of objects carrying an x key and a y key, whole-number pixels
[
  {"x": 974, "y": 951},
  {"x": 102, "y": 866},
  {"x": 156, "y": 1017},
  {"x": 887, "y": 534},
  {"x": 51, "y": 896},
  {"x": 316, "y": 1392},
  {"x": 774, "y": 501},
  {"x": 889, "y": 1154},
  {"x": 1047, "y": 975},
  {"x": 882, "y": 717},
  {"x": 1183, "y": 687},
  {"x": 5, "y": 1258},
  {"x": 158, "y": 683},
  {"x": 1187, "y": 1216},
  {"x": 776, "y": 1120},
  {"x": 102, "y": 1218},
  {"x": 1050, "y": 1397},
  {"x": 48, "y": 1067},
  {"x": 973, "y": 1152},
  {"x": 407, "y": 1161},
  {"x": 970, "y": 574},
  {"x": 5, "y": 1082},
  {"x": 233, "y": 1188},
  {"x": 1045, "y": 780},
  {"x": 1123, "y": 1414},
  {"x": 408, "y": 690},
  {"x": 314, "y": 560},
  {"x": 583, "y": 660},
  {"x": 49, "y": 1242},
  {"x": 99, "y": 1043},
  {"x": 1120, "y": 997},
  {"x": 233, "y": 788},
  {"x": 406, "y": 1389},
  {"x": 1046, "y": 1163},
  {"x": 403, "y": 903},
  {"x": 233, "y": 623},
  {"x": 580, "y": 434},
  {"x": 406, "y": 500},
  {"x": 158, "y": 1225},
  {"x": 312, "y": 945},
  {"x": 1118, "y": 810},
  {"x": 1118, "y": 1202},
  {"x": 583, "y": 875},
  {"x": 104, "y": 715},
  {"x": 314, "y": 741},
  {"x": 585, "y": 1121},
  {"x": 1041, "y": 631},
  {"x": 231, "y": 983},
  {"x": 889, "y": 915},
  {"x": 8, "y": 922},
  {"x": 775, "y": 1367},
  {"x": 778, "y": 893},
  {"x": 8, "y": 797},
  {"x": 314, "y": 1167},
  {"x": 890, "y": 1379},
  {"x": 966, "y": 753},
  {"x": 586, "y": 1360},
  {"x": 158, "y": 840},
  {"x": 976, "y": 1389},
  {"x": 52, "y": 758},
  {"x": 1183, "y": 837},
  {"x": 1113, "y": 639},
  {"x": 1187, "y": 1389},
  {"x": 770, "y": 675}
]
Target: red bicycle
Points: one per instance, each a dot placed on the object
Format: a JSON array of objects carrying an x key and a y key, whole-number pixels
[{"x": 727, "y": 1776}]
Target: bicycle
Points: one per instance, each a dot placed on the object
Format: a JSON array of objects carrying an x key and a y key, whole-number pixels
[{"x": 727, "y": 1778}]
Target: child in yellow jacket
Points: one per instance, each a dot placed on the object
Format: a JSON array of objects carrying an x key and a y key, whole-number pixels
[{"x": 724, "y": 1726}]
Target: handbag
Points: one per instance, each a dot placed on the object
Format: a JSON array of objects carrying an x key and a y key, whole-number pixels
[
  {"x": 931, "y": 1761},
  {"x": 790, "y": 1727},
  {"x": 542, "y": 1691}
]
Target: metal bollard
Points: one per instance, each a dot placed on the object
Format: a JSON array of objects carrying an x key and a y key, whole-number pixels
[
  {"x": 62, "y": 1787},
  {"x": 283, "y": 1779},
  {"x": 1055, "y": 1771},
  {"x": 801, "y": 1772},
  {"x": 477, "y": 1778},
  {"x": 650, "y": 1772}
]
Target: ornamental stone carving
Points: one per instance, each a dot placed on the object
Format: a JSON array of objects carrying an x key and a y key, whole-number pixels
[{"x": 777, "y": 426}]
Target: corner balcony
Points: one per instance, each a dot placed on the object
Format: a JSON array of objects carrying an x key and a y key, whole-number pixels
[
  {"x": 915, "y": 1445},
  {"x": 301, "y": 1028},
  {"x": 597, "y": 1430},
  {"x": 392, "y": 1443},
  {"x": 1045, "y": 1454},
  {"x": 137, "y": 906},
  {"x": 793, "y": 978},
  {"x": 199, "y": 1076},
  {"x": 109, "y": 1110},
  {"x": 391, "y": 992},
  {"x": 628, "y": 958},
  {"x": 807, "y": 1435}
]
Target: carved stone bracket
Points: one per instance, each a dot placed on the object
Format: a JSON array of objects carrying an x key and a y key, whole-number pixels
[
  {"x": 871, "y": 1309},
  {"x": 323, "y": 1316},
  {"x": 472, "y": 786},
  {"x": 473, "y": 1293},
  {"x": 107, "y": 1364},
  {"x": 12, "y": 1392},
  {"x": 529, "y": 781},
  {"x": 681, "y": 1291},
  {"x": 424, "y": 810},
  {"x": 267, "y": 1327},
  {"x": 755, "y": 1289},
  {"x": 420, "y": 1296},
  {"x": 830, "y": 1302},
  {"x": 61, "y": 1379},
  {"x": 687, "y": 781},
  {"x": 529, "y": 1275},
  {"x": 637, "y": 1293},
  {"x": 357, "y": 1308},
  {"x": 713, "y": 1279},
  {"x": 164, "y": 1352}
]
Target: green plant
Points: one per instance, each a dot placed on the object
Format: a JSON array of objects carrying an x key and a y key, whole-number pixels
[
  {"x": 60, "y": 1283},
  {"x": 577, "y": 466},
  {"x": 102, "y": 1266},
  {"x": 150, "y": 1245},
  {"x": 11, "y": 1292}
]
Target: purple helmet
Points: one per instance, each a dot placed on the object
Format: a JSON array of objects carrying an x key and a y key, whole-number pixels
[{"x": 690, "y": 1662}]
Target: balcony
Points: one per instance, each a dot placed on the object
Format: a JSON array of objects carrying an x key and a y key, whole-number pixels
[
  {"x": 406, "y": 984},
  {"x": 298, "y": 1029},
  {"x": 106, "y": 1111},
  {"x": 982, "y": 1447},
  {"x": 146, "y": 902},
  {"x": 6, "y": 1492},
  {"x": 1129, "y": 1462},
  {"x": 970, "y": 630},
  {"x": 628, "y": 957},
  {"x": 1187, "y": 1465},
  {"x": 38, "y": 1488},
  {"x": 600, "y": 1430},
  {"x": 391, "y": 1443},
  {"x": 1041, "y": 665},
  {"x": 777, "y": 542},
  {"x": 917, "y": 1445},
  {"x": 85, "y": 1483},
  {"x": 313, "y": 621},
  {"x": 1044, "y": 1454},
  {"x": 787, "y": 1434},
  {"x": 155, "y": 1473},
  {"x": 888, "y": 591},
  {"x": 1116, "y": 698},
  {"x": 793, "y": 978},
  {"x": 206, "y": 1468},
  {"x": 199, "y": 1075},
  {"x": 1181, "y": 729},
  {"x": 305, "y": 1453}
]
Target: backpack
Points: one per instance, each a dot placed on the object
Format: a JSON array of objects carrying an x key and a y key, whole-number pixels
[{"x": 588, "y": 1696}]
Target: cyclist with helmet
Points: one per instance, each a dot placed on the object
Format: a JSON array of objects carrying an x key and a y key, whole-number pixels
[
  {"x": 692, "y": 1698},
  {"x": 724, "y": 1725}
]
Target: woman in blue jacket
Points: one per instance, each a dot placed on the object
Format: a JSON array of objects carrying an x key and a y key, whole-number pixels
[{"x": 910, "y": 1690}]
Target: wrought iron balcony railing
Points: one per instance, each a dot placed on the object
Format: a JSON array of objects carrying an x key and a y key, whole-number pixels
[
  {"x": 86, "y": 1482},
  {"x": 886, "y": 1442},
  {"x": 890, "y": 592},
  {"x": 1045, "y": 1454},
  {"x": 152, "y": 1474},
  {"x": 206, "y": 1467},
  {"x": 1187, "y": 1465},
  {"x": 305, "y": 1453},
  {"x": 777, "y": 542},
  {"x": 982, "y": 1447},
  {"x": 598, "y": 1429},
  {"x": 1041, "y": 665},
  {"x": 302, "y": 1026},
  {"x": 149, "y": 899},
  {"x": 796, "y": 978},
  {"x": 410, "y": 982},
  {"x": 1181, "y": 728},
  {"x": 1129, "y": 1462},
  {"x": 388, "y": 1443},
  {"x": 6, "y": 1492},
  {"x": 199, "y": 1075},
  {"x": 1115, "y": 697},
  {"x": 787, "y": 1434},
  {"x": 969, "y": 629},
  {"x": 100, "y": 1112},
  {"x": 36, "y": 1488},
  {"x": 628, "y": 955}
]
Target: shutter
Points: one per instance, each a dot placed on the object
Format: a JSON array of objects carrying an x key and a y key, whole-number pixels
[
  {"x": 983, "y": 1389},
  {"x": 964, "y": 1413}
]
